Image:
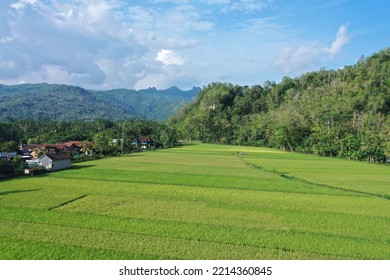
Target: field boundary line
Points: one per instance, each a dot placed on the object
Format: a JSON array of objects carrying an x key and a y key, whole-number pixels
[
  {"x": 67, "y": 202},
  {"x": 293, "y": 178}
]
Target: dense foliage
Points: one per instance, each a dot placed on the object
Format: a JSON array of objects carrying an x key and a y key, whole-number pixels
[
  {"x": 63, "y": 102},
  {"x": 101, "y": 132},
  {"x": 342, "y": 113}
]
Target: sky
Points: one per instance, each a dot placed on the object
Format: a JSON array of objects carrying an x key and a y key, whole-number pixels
[{"x": 107, "y": 44}]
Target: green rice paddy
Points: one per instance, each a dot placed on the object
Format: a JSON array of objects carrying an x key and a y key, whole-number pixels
[{"x": 200, "y": 202}]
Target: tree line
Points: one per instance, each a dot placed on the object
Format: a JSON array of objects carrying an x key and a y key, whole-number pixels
[
  {"x": 108, "y": 137},
  {"x": 337, "y": 113}
]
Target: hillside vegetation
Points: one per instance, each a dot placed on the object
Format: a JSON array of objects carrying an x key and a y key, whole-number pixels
[
  {"x": 342, "y": 113},
  {"x": 63, "y": 102},
  {"x": 200, "y": 201}
]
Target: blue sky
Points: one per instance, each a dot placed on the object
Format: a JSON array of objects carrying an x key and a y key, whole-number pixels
[{"x": 105, "y": 44}]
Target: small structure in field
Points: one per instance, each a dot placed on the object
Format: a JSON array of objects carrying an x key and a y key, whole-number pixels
[{"x": 56, "y": 161}]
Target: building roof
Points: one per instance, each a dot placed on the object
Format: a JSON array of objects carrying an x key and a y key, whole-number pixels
[
  {"x": 78, "y": 144},
  {"x": 62, "y": 156},
  {"x": 58, "y": 147},
  {"x": 54, "y": 146},
  {"x": 145, "y": 139},
  {"x": 8, "y": 154},
  {"x": 31, "y": 146}
]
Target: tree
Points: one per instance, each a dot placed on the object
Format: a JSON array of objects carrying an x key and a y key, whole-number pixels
[
  {"x": 18, "y": 165},
  {"x": 86, "y": 148},
  {"x": 9, "y": 146},
  {"x": 39, "y": 152},
  {"x": 101, "y": 143},
  {"x": 166, "y": 136}
]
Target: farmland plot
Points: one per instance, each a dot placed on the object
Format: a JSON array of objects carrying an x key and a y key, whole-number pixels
[{"x": 200, "y": 202}]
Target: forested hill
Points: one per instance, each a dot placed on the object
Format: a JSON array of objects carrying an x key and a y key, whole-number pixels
[
  {"x": 341, "y": 113},
  {"x": 63, "y": 102},
  {"x": 151, "y": 104}
]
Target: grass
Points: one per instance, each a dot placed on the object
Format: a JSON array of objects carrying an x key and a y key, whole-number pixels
[{"x": 200, "y": 202}]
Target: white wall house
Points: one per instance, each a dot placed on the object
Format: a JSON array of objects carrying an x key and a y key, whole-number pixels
[{"x": 56, "y": 162}]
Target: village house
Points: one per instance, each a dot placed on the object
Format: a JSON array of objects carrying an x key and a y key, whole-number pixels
[
  {"x": 52, "y": 149},
  {"x": 71, "y": 147},
  {"x": 143, "y": 142},
  {"x": 56, "y": 161},
  {"x": 26, "y": 150},
  {"x": 77, "y": 147}
]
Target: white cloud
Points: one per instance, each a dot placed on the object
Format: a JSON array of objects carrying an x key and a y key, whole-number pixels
[
  {"x": 136, "y": 44},
  {"x": 23, "y": 3},
  {"x": 96, "y": 12},
  {"x": 114, "y": 43},
  {"x": 300, "y": 59},
  {"x": 247, "y": 5},
  {"x": 305, "y": 58},
  {"x": 87, "y": 43},
  {"x": 265, "y": 28},
  {"x": 183, "y": 19},
  {"x": 158, "y": 80},
  {"x": 169, "y": 57},
  {"x": 95, "y": 44},
  {"x": 342, "y": 38},
  {"x": 217, "y": 2},
  {"x": 171, "y": 1},
  {"x": 7, "y": 64},
  {"x": 6, "y": 40},
  {"x": 100, "y": 43}
]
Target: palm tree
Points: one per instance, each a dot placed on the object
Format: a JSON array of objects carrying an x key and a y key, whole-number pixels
[
  {"x": 86, "y": 148},
  {"x": 39, "y": 152}
]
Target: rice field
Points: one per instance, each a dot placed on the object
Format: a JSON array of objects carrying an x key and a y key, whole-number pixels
[{"x": 200, "y": 201}]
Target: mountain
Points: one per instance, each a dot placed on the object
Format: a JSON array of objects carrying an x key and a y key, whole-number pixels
[
  {"x": 151, "y": 104},
  {"x": 343, "y": 113},
  {"x": 64, "y": 102}
]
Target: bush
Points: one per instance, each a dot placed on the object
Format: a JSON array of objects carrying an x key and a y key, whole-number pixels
[{"x": 18, "y": 165}]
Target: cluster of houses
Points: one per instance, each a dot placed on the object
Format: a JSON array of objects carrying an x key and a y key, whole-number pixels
[{"x": 52, "y": 157}]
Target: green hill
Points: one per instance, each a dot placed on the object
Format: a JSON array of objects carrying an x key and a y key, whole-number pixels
[
  {"x": 64, "y": 102},
  {"x": 342, "y": 113},
  {"x": 151, "y": 104}
]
